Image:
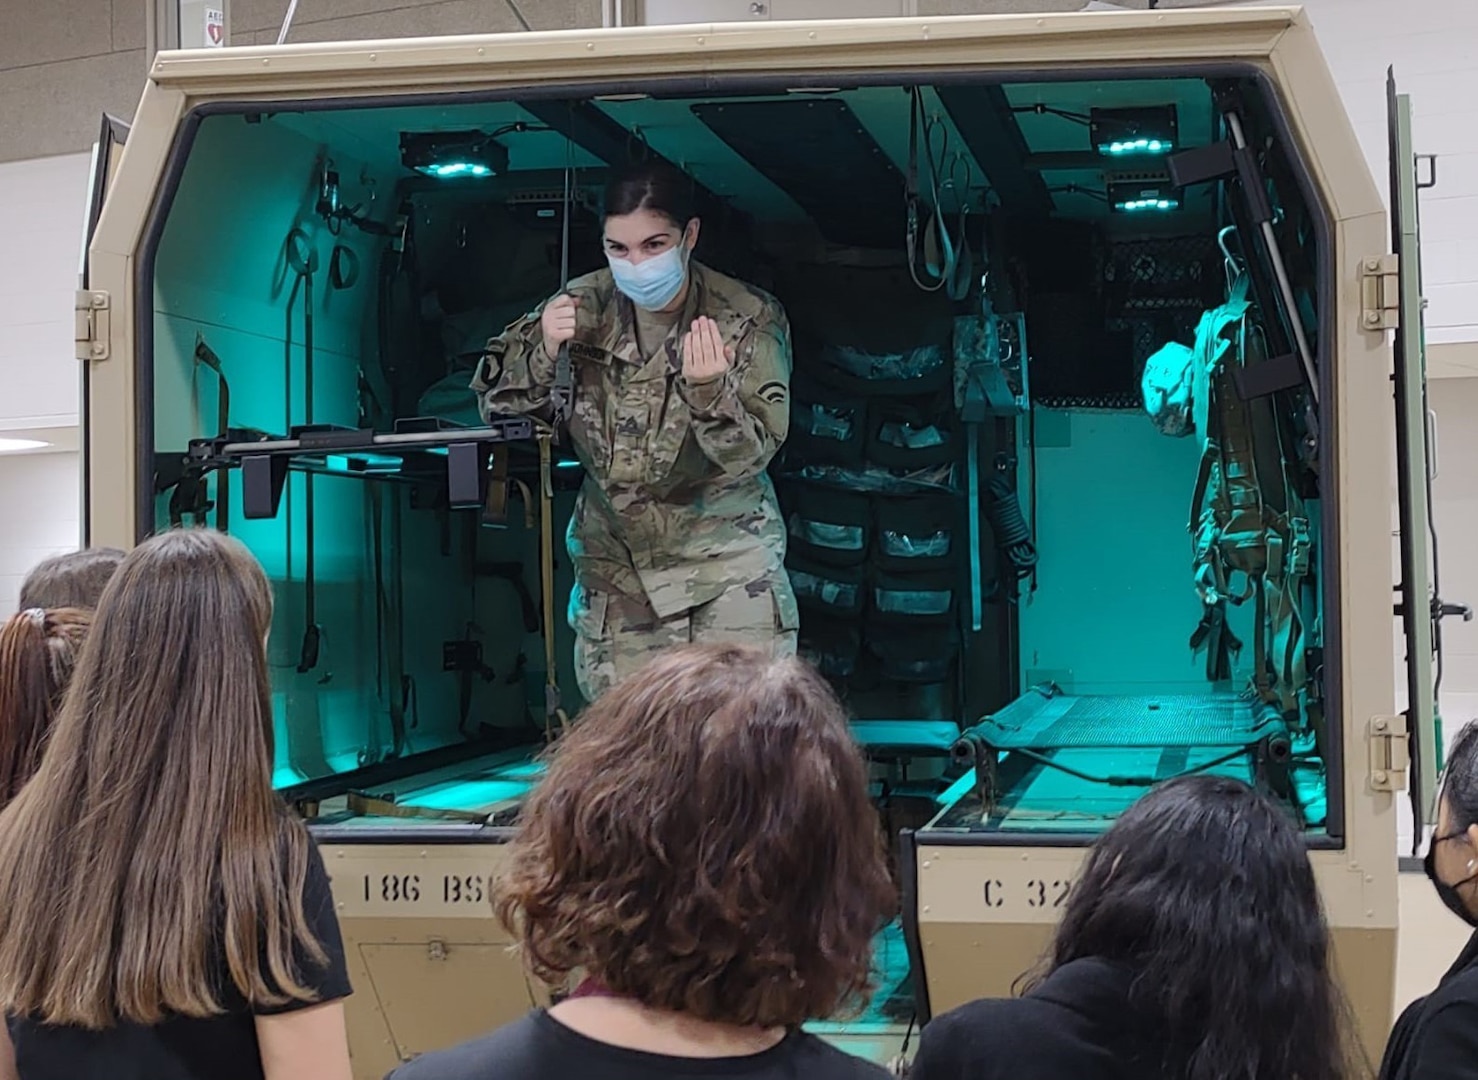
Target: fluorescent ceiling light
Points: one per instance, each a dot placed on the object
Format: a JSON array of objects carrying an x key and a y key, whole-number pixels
[{"x": 11, "y": 446}]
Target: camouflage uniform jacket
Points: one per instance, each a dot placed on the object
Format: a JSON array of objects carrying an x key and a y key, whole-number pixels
[{"x": 676, "y": 503}]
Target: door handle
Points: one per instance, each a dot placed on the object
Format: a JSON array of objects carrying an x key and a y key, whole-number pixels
[{"x": 1432, "y": 467}]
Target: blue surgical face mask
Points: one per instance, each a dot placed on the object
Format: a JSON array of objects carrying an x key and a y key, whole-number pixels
[{"x": 652, "y": 283}]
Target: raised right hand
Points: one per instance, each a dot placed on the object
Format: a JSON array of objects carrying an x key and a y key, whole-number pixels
[{"x": 558, "y": 323}]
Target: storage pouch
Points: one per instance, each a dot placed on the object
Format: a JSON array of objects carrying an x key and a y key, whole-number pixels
[
  {"x": 904, "y": 436},
  {"x": 826, "y": 525},
  {"x": 913, "y": 654},
  {"x": 835, "y": 590},
  {"x": 925, "y": 370},
  {"x": 828, "y": 424},
  {"x": 916, "y": 532},
  {"x": 926, "y": 597},
  {"x": 832, "y": 645}
]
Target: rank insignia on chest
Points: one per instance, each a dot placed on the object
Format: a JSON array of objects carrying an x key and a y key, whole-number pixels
[{"x": 584, "y": 353}]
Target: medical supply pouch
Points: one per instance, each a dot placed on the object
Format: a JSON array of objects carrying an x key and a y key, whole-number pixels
[
  {"x": 834, "y": 590},
  {"x": 918, "y": 371},
  {"x": 826, "y": 525},
  {"x": 915, "y": 532},
  {"x": 904, "y": 435},
  {"x": 919, "y": 598},
  {"x": 828, "y": 425},
  {"x": 919, "y": 654},
  {"x": 832, "y": 645}
]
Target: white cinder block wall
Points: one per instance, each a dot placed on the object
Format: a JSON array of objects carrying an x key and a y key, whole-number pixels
[
  {"x": 42, "y": 214},
  {"x": 39, "y": 515},
  {"x": 1429, "y": 45}
]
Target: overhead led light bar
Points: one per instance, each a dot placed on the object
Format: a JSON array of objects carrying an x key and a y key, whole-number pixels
[
  {"x": 1138, "y": 198},
  {"x": 453, "y": 155},
  {"x": 1143, "y": 132}
]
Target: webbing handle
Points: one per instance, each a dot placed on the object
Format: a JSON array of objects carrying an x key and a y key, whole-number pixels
[{"x": 554, "y": 713}]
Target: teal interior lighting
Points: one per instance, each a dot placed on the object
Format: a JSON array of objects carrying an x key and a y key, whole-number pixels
[
  {"x": 453, "y": 155},
  {"x": 1134, "y": 132},
  {"x": 1139, "y": 198}
]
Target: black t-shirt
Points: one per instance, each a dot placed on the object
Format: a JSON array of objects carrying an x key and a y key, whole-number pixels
[
  {"x": 1077, "y": 1025},
  {"x": 538, "y": 1047},
  {"x": 183, "y": 1048},
  {"x": 1436, "y": 1037}
]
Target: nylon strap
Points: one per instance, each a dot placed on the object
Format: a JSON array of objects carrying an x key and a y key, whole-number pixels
[
  {"x": 976, "y": 585},
  {"x": 554, "y": 714},
  {"x": 495, "y": 503},
  {"x": 562, "y": 394},
  {"x": 1236, "y": 529}
]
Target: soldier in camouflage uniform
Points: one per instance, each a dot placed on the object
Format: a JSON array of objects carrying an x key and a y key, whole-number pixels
[{"x": 681, "y": 398}]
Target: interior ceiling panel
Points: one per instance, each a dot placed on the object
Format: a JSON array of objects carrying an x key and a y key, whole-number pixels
[
  {"x": 819, "y": 154},
  {"x": 672, "y": 129},
  {"x": 373, "y": 135},
  {"x": 669, "y": 127}
]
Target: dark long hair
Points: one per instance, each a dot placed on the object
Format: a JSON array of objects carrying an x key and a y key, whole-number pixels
[
  {"x": 1205, "y": 890},
  {"x": 655, "y": 186}
]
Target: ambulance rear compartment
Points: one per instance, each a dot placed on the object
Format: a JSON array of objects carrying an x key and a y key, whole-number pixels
[{"x": 989, "y": 536}]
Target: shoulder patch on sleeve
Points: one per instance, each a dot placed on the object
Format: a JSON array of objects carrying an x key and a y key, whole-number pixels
[{"x": 773, "y": 392}]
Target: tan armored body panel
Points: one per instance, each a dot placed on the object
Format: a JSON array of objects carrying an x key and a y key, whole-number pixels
[{"x": 271, "y": 227}]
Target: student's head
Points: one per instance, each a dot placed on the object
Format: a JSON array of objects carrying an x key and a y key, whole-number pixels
[
  {"x": 38, "y": 650},
  {"x": 1452, "y": 858},
  {"x": 75, "y": 580},
  {"x": 152, "y": 814},
  {"x": 1204, "y": 889},
  {"x": 651, "y": 229},
  {"x": 703, "y": 843}
]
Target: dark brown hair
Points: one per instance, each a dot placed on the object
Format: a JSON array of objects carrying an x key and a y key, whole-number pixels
[
  {"x": 74, "y": 580},
  {"x": 38, "y": 650},
  {"x": 651, "y": 185},
  {"x": 703, "y": 842},
  {"x": 152, "y": 822}
]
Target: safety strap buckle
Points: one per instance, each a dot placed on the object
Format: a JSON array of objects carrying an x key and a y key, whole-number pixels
[{"x": 1300, "y": 550}]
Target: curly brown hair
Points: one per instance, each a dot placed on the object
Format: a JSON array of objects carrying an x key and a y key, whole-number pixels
[{"x": 703, "y": 842}]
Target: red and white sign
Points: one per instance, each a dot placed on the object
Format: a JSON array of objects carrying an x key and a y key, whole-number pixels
[{"x": 215, "y": 28}]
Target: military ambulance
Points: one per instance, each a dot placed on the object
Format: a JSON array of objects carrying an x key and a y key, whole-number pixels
[{"x": 1096, "y": 319}]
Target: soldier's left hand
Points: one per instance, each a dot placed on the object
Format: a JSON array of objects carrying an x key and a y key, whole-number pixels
[{"x": 705, "y": 356}]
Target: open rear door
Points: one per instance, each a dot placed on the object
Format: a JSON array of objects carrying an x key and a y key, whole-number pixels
[
  {"x": 1420, "y": 607},
  {"x": 105, "y": 155}
]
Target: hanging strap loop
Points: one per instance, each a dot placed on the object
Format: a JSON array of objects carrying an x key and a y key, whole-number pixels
[{"x": 554, "y": 714}]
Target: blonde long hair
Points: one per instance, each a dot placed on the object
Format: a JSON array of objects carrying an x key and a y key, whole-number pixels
[{"x": 152, "y": 840}]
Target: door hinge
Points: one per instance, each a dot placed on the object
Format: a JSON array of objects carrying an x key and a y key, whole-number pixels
[
  {"x": 1380, "y": 292},
  {"x": 1390, "y": 753},
  {"x": 93, "y": 324}
]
